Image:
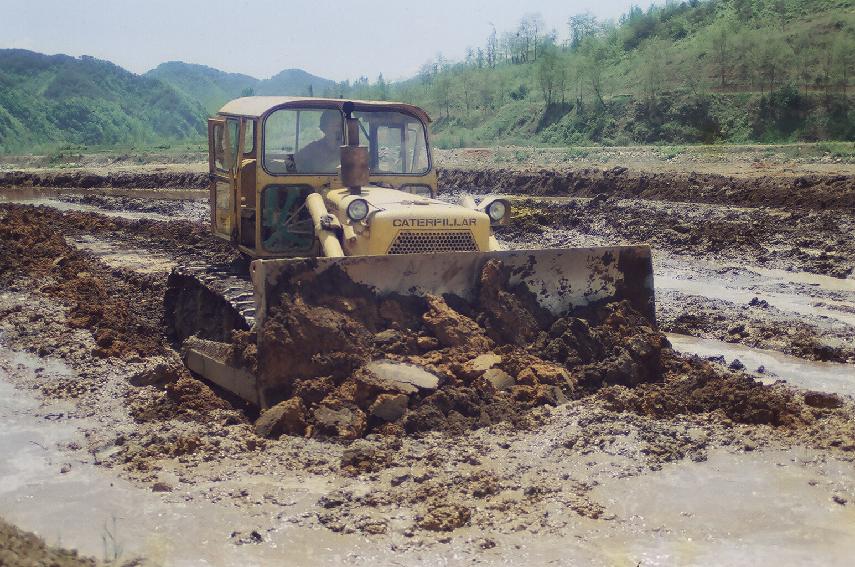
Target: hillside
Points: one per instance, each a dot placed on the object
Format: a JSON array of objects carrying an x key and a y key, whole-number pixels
[
  {"x": 683, "y": 72},
  {"x": 50, "y": 100},
  {"x": 212, "y": 88}
]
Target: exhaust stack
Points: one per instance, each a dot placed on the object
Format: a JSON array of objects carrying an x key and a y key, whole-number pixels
[{"x": 354, "y": 158}]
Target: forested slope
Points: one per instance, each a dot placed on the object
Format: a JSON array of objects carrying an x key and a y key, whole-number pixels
[{"x": 51, "y": 100}]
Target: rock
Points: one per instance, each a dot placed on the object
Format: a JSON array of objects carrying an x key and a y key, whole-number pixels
[
  {"x": 445, "y": 518},
  {"x": 387, "y": 337},
  {"x": 359, "y": 453},
  {"x": 163, "y": 371},
  {"x": 500, "y": 379},
  {"x": 389, "y": 407},
  {"x": 453, "y": 329},
  {"x": 545, "y": 374},
  {"x": 736, "y": 364},
  {"x": 405, "y": 378},
  {"x": 285, "y": 418},
  {"x": 822, "y": 400},
  {"x": 483, "y": 362},
  {"x": 340, "y": 420},
  {"x": 161, "y": 487}
]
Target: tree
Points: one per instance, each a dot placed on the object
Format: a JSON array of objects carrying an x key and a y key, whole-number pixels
[
  {"x": 581, "y": 27},
  {"x": 774, "y": 53},
  {"x": 720, "y": 49},
  {"x": 492, "y": 48},
  {"x": 651, "y": 69},
  {"x": 442, "y": 92},
  {"x": 594, "y": 62},
  {"x": 548, "y": 74}
]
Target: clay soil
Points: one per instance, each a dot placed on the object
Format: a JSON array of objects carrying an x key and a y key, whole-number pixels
[{"x": 449, "y": 466}]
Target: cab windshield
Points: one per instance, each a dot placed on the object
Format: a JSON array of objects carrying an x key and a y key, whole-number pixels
[
  {"x": 308, "y": 141},
  {"x": 396, "y": 142}
]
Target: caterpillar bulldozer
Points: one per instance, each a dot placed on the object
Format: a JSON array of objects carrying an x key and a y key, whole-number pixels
[{"x": 313, "y": 191}]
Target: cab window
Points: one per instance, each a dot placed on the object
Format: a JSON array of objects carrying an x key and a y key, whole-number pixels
[
  {"x": 303, "y": 141},
  {"x": 397, "y": 142}
]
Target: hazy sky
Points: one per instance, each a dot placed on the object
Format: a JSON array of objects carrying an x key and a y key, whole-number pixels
[{"x": 338, "y": 40}]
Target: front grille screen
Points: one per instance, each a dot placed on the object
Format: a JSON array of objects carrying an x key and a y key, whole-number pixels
[{"x": 412, "y": 242}]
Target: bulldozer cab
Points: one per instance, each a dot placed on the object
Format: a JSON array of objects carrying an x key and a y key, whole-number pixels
[{"x": 267, "y": 155}]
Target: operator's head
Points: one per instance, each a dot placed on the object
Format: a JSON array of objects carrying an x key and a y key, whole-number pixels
[{"x": 331, "y": 124}]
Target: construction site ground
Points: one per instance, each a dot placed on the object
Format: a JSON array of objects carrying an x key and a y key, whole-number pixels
[{"x": 728, "y": 440}]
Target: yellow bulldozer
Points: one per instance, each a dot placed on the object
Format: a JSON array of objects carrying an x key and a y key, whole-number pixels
[{"x": 315, "y": 190}]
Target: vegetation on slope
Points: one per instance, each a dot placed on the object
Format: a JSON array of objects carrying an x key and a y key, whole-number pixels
[
  {"x": 213, "y": 88},
  {"x": 57, "y": 99},
  {"x": 692, "y": 71}
]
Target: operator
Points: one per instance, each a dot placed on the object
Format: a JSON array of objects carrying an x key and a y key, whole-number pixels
[{"x": 324, "y": 155}]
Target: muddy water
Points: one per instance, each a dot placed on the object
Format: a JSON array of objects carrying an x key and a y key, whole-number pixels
[
  {"x": 823, "y": 376},
  {"x": 771, "y": 508},
  {"x": 100, "y": 515}
]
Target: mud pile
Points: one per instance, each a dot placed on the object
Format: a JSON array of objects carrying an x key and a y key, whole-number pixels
[
  {"x": 123, "y": 314},
  {"x": 346, "y": 365}
]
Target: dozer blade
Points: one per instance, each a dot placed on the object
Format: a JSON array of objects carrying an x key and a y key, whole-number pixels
[
  {"x": 560, "y": 280},
  {"x": 554, "y": 281}
]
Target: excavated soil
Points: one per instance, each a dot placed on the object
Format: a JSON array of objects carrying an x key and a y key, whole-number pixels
[{"x": 19, "y": 548}]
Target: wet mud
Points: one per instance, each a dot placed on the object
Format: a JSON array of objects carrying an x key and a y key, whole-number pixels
[{"x": 427, "y": 425}]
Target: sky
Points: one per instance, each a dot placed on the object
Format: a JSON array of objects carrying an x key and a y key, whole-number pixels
[{"x": 333, "y": 39}]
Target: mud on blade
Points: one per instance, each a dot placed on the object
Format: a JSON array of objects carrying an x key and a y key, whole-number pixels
[{"x": 557, "y": 281}]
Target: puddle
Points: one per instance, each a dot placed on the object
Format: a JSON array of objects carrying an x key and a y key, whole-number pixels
[
  {"x": 103, "y": 516},
  {"x": 734, "y": 292},
  {"x": 736, "y": 509},
  {"x": 823, "y": 376},
  {"x": 141, "y": 261}
]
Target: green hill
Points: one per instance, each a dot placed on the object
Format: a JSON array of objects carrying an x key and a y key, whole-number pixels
[
  {"x": 51, "y": 100},
  {"x": 212, "y": 88},
  {"x": 681, "y": 72}
]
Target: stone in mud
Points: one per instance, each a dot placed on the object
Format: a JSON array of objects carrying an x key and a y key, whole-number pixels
[
  {"x": 162, "y": 371},
  {"x": 500, "y": 379},
  {"x": 540, "y": 373},
  {"x": 363, "y": 456},
  {"x": 453, "y": 329},
  {"x": 405, "y": 378},
  {"x": 481, "y": 363},
  {"x": 445, "y": 518},
  {"x": 339, "y": 420},
  {"x": 285, "y": 418},
  {"x": 823, "y": 400},
  {"x": 389, "y": 407}
]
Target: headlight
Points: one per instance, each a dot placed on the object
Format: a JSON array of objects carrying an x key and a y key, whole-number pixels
[
  {"x": 496, "y": 210},
  {"x": 357, "y": 209},
  {"x": 419, "y": 190}
]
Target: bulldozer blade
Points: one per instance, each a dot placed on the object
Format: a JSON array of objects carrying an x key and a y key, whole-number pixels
[{"x": 560, "y": 280}]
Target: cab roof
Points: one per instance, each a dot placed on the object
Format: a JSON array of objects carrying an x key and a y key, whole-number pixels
[{"x": 255, "y": 106}]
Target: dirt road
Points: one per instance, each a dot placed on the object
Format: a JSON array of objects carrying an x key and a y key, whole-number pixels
[{"x": 745, "y": 451}]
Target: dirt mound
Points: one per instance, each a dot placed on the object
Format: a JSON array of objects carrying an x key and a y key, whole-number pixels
[
  {"x": 123, "y": 314},
  {"x": 23, "y": 548},
  {"x": 805, "y": 192},
  {"x": 410, "y": 365}
]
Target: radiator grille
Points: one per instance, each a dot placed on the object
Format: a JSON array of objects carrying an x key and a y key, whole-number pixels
[{"x": 412, "y": 242}]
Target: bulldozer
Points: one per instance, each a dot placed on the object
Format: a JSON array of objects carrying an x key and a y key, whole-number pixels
[{"x": 343, "y": 194}]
